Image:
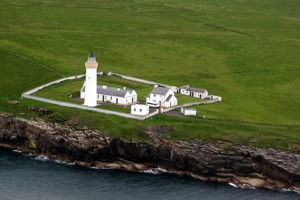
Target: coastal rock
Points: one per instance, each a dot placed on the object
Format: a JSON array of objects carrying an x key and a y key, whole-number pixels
[{"x": 242, "y": 165}]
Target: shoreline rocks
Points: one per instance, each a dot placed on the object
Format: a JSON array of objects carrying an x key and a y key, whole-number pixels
[{"x": 242, "y": 166}]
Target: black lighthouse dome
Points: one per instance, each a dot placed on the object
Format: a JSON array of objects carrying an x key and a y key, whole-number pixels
[{"x": 92, "y": 57}]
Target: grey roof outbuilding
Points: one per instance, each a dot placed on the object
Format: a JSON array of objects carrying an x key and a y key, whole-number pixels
[
  {"x": 160, "y": 90},
  {"x": 197, "y": 90},
  {"x": 184, "y": 87},
  {"x": 188, "y": 88},
  {"x": 111, "y": 91}
]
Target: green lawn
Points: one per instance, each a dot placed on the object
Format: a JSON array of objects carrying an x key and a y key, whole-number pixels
[
  {"x": 245, "y": 51},
  {"x": 68, "y": 91},
  {"x": 122, "y": 109}
]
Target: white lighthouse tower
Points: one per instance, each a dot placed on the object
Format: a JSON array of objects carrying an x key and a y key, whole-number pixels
[{"x": 91, "y": 66}]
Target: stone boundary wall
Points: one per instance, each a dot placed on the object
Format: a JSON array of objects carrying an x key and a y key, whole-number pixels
[
  {"x": 52, "y": 83},
  {"x": 151, "y": 114},
  {"x": 164, "y": 110}
]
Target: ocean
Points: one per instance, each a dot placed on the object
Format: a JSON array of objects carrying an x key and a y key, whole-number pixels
[{"x": 26, "y": 177}]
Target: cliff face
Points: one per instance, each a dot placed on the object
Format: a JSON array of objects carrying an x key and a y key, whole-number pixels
[{"x": 241, "y": 165}]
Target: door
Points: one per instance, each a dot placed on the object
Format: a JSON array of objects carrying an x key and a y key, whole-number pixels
[{"x": 117, "y": 100}]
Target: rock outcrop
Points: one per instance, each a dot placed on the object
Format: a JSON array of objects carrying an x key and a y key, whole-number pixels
[{"x": 241, "y": 165}]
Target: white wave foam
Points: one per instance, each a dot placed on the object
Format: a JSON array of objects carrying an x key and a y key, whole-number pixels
[
  {"x": 17, "y": 151},
  {"x": 63, "y": 162},
  {"x": 155, "y": 171},
  {"x": 42, "y": 158},
  {"x": 109, "y": 168},
  {"x": 94, "y": 168},
  {"x": 233, "y": 185},
  {"x": 298, "y": 192},
  {"x": 286, "y": 190},
  {"x": 248, "y": 186},
  {"x": 289, "y": 190}
]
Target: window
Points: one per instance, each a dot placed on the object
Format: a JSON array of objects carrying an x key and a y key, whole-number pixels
[
  {"x": 154, "y": 95},
  {"x": 140, "y": 110},
  {"x": 134, "y": 109}
]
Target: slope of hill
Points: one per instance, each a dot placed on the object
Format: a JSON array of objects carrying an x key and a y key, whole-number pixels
[{"x": 246, "y": 52}]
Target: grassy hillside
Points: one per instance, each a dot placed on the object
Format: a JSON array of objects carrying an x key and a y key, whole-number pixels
[{"x": 245, "y": 51}]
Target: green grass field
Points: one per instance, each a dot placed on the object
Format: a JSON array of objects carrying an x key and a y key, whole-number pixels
[{"x": 245, "y": 51}]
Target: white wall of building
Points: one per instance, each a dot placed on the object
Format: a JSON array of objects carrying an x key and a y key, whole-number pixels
[
  {"x": 200, "y": 95},
  {"x": 82, "y": 94},
  {"x": 134, "y": 96},
  {"x": 170, "y": 103},
  {"x": 128, "y": 99},
  {"x": 215, "y": 97},
  {"x": 139, "y": 109},
  {"x": 184, "y": 92},
  {"x": 189, "y": 111},
  {"x": 160, "y": 100},
  {"x": 154, "y": 99},
  {"x": 90, "y": 98},
  {"x": 174, "y": 88},
  {"x": 193, "y": 94}
]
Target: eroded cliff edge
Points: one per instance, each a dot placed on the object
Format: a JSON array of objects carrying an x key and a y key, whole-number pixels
[{"x": 241, "y": 165}]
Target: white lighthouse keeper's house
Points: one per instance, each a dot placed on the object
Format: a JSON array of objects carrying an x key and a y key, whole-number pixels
[{"x": 91, "y": 66}]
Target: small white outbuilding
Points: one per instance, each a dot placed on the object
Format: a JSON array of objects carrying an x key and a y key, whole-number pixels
[
  {"x": 213, "y": 97},
  {"x": 188, "y": 111},
  {"x": 193, "y": 92},
  {"x": 139, "y": 109}
]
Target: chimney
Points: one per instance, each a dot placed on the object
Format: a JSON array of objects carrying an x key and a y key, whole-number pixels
[
  {"x": 124, "y": 88},
  {"x": 118, "y": 89},
  {"x": 104, "y": 86},
  {"x": 155, "y": 86}
]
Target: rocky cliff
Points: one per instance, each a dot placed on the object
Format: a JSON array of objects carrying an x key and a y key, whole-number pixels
[{"x": 244, "y": 166}]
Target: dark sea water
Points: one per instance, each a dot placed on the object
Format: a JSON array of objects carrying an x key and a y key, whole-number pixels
[{"x": 30, "y": 178}]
